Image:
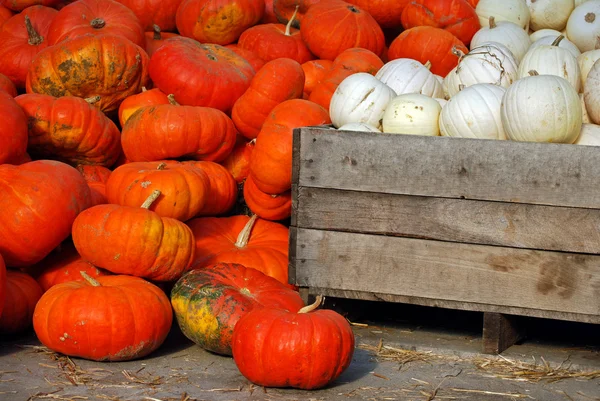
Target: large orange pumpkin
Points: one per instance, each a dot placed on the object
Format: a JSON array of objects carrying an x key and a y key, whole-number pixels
[
  {"x": 267, "y": 206},
  {"x": 13, "y": 130},
  {"x": 134, "y": 102},
  {"x": 251, "y": 57},
  {"x": 20, "y": 5},
  {"x": 223, "y": 190},
  {"x": 314, "y": 72},
  {"x": 96, "y": 178},
  {"x": 22, "y": 294},
  {"x": 426, "y": 43},
  {"x": 455, "y": 16},
  {"x": 285, "y": 9},
  {"x": 238, "y": 161},
  {"x": 7, "y": 85},
  {"x": 155, "y": 38},
  {"x": 154, "y": 12},
  {"x": 387, "y": 13}
]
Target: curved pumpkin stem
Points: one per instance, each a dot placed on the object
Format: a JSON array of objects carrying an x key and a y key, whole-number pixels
[
  {"x": 244, "y": 235},
  {"x": 150, "y": 200},
  {"x": 98, "y": 23},
  {"x": 558, "y": 40},
  {"x": 93, "y": 99},
  {"x": 172, "y": 100},
  {"x": 34, "y": 37},
  {"x": 315, "y": 305},
  {"x": 89, "y": 279},
  {"x": 288, "y": 27},
  {"x": 157, "y": 35},
  {"x": 161, "y": 166},
  {"x": 492, "y": 22},
  {"x": 144, "y": 89},
  {"x": 428, "y": 65},
  {"x": 457, "y": 52}
]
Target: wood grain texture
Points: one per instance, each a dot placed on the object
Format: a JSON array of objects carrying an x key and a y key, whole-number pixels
[
  {"x": 500, "y": 332},
  {"x": 537, "y": 173},
  {"x": 458, "y": 220},
  {"x": 506, "y": 277}
]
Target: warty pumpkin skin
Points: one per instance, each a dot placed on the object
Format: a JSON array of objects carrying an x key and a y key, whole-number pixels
[
  {"x": 22, "y": 37},
  {"x": 13, "y": 130},
  {"x": 108, "y": 66},
  {"x": 22, "y": 294},
  {"x": 305, "y": 350},
  {"x": 223, "y": 190},
  {"x": 218, "y": 21},
  {"x": 197, "y": 74},
  {"x": 96, "y": 17},
  {"x": 69, "y": 129},
  {"x": 184, "y": 188},
  {"x": 96, "y": 178},
  {"x": 266, "y": 206},
  {"x": 169, "y": 131},
  {"x": 134, "y": 241},
  {"x": 154, "y": 12},
  {"x": 109, "y": 318},
  {"x": 279, "y": 80},
  {"x": 41, "y": 193},
  {"x": 209, "y": 302}
]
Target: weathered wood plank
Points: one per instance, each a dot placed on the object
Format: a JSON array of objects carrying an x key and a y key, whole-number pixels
[
  {"x": 510, "y": 277},
  {"x": 459, "y": 220},
  {"x": 538, "y": 173},
  {"x": 500, "y": 331},
  {"x": 467, "y": 306},
  {"x": 292, "y": 255}
]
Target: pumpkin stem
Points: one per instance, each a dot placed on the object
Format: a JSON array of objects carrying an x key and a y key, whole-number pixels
[
  {"x": 310, "y": 308},
  {"x": 98, "y": 23},
  {"x": 34, "y": 37},
  {"x": 150, "y": 200},
  {"x": 144, "y": 89},
  {"x": 492, "y": 22},
  {"x": 161, "y": 166},
  {"x": 93, "y": 99},
  {"x": 89, "y": 279},
  {"x": 533, "y": 73},
  {"x": 461, "y": 87},
  {"x": 457, "y": 52},
  {"x": 428, "y": 65},
  {"x": 157, "y": 35},
  {"x": 172, "y": 100},
  {"x": 558, "y": 40},
  {"x": 288, "y": 27},
  {"x": 244, "y": 235}
]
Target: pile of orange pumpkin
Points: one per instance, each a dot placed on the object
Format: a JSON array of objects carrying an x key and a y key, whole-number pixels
[{"x": 129, "y": 132}]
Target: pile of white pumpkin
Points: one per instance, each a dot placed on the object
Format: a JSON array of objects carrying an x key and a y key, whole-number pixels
[{"x": 532, "y": 74}]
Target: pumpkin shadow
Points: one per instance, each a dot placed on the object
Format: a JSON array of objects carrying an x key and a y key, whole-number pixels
[
  {"x": 13, "y": 343},
  {"x": 363, "y": 363}
]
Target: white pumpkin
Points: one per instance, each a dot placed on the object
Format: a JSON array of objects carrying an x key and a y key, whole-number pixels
[
  {"x": 584, "y": 114},
  {"x": 541, "y": 108},
  {"x": 543, "y": 32},
  {"x": 359, "y": 98},
  {"x": 489, "y": 63},
  {"x": 474, "y": 112},
  {"x": 589, "y": 135},
  {"x": 506, "y": 10},
  {"x": 405, "y": 75},
  {"x": 508, "y": 33},
  {"x": 583, "y": 26},
  {"x": 586, "y": 60},
  {"x": 591, "y": 93},
  {"x": 564, "y": 43},
  {"x": 551, "y": 60},
  {"x": 364, "y": 127},
  {"x": 412, "y": 114},
  {"x": 579, "y": 2},
  {"x": 549, "y": 14},
  {"x": 441, "y": 101}
]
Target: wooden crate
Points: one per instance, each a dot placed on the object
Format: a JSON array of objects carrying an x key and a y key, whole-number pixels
[{"x": 506, "y": 228}]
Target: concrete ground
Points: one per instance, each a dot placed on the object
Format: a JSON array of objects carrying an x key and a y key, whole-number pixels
[{"x": 403, "y": 353}]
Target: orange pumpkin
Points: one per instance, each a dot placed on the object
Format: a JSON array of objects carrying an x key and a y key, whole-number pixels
[
  {"x": 7, "y": 85},
  {"x": 13, "y": 130},
  {"x": 426, "y": 43},
  {"x": 223, "y": 188},
  {"x": 154, "y": 12},
  {"x": 314, "y": 72},
  {"x": 22, "y": 294},
  {"x": 455, "y": 16},
  {"x": 238, "y": 161},
  {"x": 156, "y": 38},
  {"x": 5, "y": 14},
  {"x": 353, "y": 28},
  {"x": 145, "y": 98},
  {"x": 251, "y": 57},
  {"x": 387, "y": 13},
  {"x": 266, "y": 206},
  {"x": 285, "y": 9},
  {"x": 279, "y": 80},
  {"x": 96, "y": 178}
]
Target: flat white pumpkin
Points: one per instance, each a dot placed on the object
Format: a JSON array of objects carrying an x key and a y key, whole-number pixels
[
  {"x": 508, "y": 33},
  {"x": 405, "y": 75},
  {"x": 489, "y": 63},
  {"x": 364, "y": 127},
  {"x": 506, "y": 10},
  {"x": 584, "y": 114},
  {"x": 541, "y": 108},
  {"x": 543, "y": 32},
  {"x": 360, "y": 98},
  {"x": 549, "y": 14},
  {"x": 591, "y": 93},
  {"x": 412, "y": 114},
  {"x": 551, "y": 60},
  {"x": 564, "y": 43},
  {"x": 441, "y": 101},
  {"x": 474, "y": 112},
  {"x": 583, "y": 26},
  {"x": 589, "y": 135},
  {"x": 586, "y": 60}
]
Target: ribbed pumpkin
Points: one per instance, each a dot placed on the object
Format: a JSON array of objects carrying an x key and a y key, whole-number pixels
[
  {"x": 22, "y": 37},
  {"x": 223, "y": 191},
  {"x": 13, "y": 130},
  {"x": 353, "y": 28},
  {"x": 110, "y": 318},
  {"x": 20, "y": 5},
  {"x": 249, "y": 241},
  {"x": 146, "y": 97},
  {"x": 252, "y": 58},
  {"x": 70, "y": 129},
  {"x": 200, "y": 74},
  {"x": 279, "y": 80},
  {"x": 218, "y": 21},
  {"x": 155, "y": 38},
  {"x": 5, "y": 14},
  {"x": 7, "y": 85},
  {"x": 455, "y": 16},
  {"x": 22, "y": 294},
  {"x": 267, "y": 206},
  {"x": 271, "y": 165},
  {"x": 96, "y": 17},
  {"x": 76, "y": 68},
  {"x": 314, "y": 72},
  {"x": 96, "y": 178},
  {"x": 134, "y": 241},
  {"x": 209, "y": 302},
  {"x": 238, "y": 161},
  {"x": 184, "y": 188},
  {"x": 387, "y": 13},
  {"x": 46, "y": 196},
  {"x": 285, "y": 9},
  {"x": 426, "y": 43},
  {"x": 168, "y": 131},
  {"x": 273, "y": 41},
  {"x": 154, "y": 12}
]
